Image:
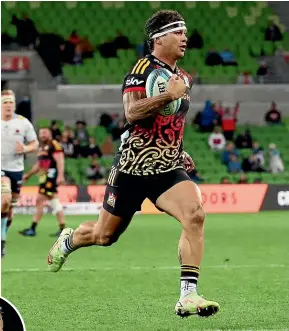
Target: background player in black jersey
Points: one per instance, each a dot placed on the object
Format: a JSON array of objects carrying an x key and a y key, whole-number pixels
[
  {"x": 50, "y": 168},
  {"x": 151, "y": 163}
]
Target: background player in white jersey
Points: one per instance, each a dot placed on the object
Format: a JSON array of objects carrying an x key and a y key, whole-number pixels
[{"x": 18, "y": 137}]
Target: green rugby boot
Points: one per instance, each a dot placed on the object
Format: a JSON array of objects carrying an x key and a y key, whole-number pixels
[
  {"x": 193, "y": 304},
  {"x": 56, "y": 258}
]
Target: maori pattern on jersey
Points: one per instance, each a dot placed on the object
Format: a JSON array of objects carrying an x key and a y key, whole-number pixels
[{"x": 154, "y": 150}]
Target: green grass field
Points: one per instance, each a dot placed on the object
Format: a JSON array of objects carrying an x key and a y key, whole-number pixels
[{"x": 134, "y": 285}]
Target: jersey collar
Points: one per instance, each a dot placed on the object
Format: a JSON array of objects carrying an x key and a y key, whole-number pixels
[{"x": 155, "y": 60}]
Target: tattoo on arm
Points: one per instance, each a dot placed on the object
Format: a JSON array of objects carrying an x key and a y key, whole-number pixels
[{"x": 137, "y": 106}]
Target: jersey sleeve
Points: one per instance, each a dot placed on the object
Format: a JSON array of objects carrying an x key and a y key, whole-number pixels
[
  {"x": 56, "y": 147},
  {"x": 135, "y": 81},
  {"x": 30, "y": 134}
]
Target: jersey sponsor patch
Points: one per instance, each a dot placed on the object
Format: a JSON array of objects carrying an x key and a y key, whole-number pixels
[
  {"x": 111, "y": 199},
  {"x": 133, "y": 81}
]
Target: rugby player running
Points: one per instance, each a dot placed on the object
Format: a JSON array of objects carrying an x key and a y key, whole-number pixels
[
  {"x": 18, "y": 137},
  {"x": 151, "y": 163},
  {"x": 50, "y": 168}
]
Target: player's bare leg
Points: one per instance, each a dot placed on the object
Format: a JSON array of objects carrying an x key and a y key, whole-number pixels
[
  {"x": 104, "y": 232},
  {"x": 40, "y": 201},
  {"x": 14, "y": 200},
  {"x": 183, "y": 202},
  {"x": 58, "y": 210},
  {"x": 6, "y": 198}
]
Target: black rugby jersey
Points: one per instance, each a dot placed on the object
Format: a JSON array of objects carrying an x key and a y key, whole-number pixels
[
  {"x": 153, "y": 145},
  {"x": 45, "y": 157}
]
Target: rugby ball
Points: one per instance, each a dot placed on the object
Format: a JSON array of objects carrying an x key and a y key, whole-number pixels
[{"x": 156, "y": 84}]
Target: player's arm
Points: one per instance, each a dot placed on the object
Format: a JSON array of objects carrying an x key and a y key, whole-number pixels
[
  {"x": 31, "y": 138},
  {"x": 137, "y": 106},
  {"x": 58, "y": 156},
  {"x": 34, "y": 170}
]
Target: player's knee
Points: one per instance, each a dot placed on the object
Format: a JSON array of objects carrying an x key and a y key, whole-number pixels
[{"x": 194, "y": 217}]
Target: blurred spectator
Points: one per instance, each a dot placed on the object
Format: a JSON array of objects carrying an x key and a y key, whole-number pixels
[
  {"x": 95, "y": 173},
  {"x": 121, "y": 41},
  {"x": 234, "y": 165},
  {"x": 244, "y": 140},
  {"x": 107, "y": 148},
  {"x": 69, "y": 133},
  {"x": 225, "y": 180},
  {"x": 257, "y": 180},
  {"x": 217, "y": 140},
  {"x": 261, "y": 72},
  {"x": 118, "y": 130},
  {"x": 81, "y": 134},
  {"x": 217, "y": 118},
  {"x": 228, "y": 58},
  {"x": 230, "y": 150},
  {"x": 242, "y": 179},
  {"x": 273, "y": 115},
  {"x": 263, "y": 69},
  {"x": 252, "y": 164},
  {"x": 107, "y": 49},
  {"x": 207, "y": 118},
  {"x": 105, "y": 120},
  {"x": 195, "y": 176},
  {"x": 49, "y": 47},
  {"x": 77, "y": 58},
  {"x": 78, "y": 150},
  {"x": 245, "y": 78},
  {"x": 56, "y": 133},
  {"x": 273, "y": 33},
  {"x": 213, "y": 58},
  {"x": 229, "y": 119},
  {"x": 24, "y": 108},
  {"x": 275, "y": 163},
  {"x": 86, "y": 48},
  {"x": 74, "y": 38},
  {"x": 93, "y": 149},
  {"x": 258, "y": 152},
  {"x": 68, "y": 146},
  {"x": 26, "y": 30},
  {"x": 195, "y": 40}
]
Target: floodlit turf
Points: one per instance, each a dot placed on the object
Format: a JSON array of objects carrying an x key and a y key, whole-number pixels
[{"x": 134, "y": 285}]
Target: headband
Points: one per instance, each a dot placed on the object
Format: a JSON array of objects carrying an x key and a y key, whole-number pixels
[
  {"x": 171, "y": 27},
  {"x": 5, "y": 98}
]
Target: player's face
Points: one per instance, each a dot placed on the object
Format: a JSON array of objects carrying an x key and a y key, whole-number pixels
[
  {"x": 176, "y": 43},
  {"x": 44, "y": 135},
  {"x": 8, "y": 108}
]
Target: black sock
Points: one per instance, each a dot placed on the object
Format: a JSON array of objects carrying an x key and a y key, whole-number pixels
[
  {"x": 8, "y": 223},
  {"x": 3, "y": 242},
  {"x": 61, "y": 227},
  {"x": 33, "y": 226},
  {"x": 190, "y": 274}
]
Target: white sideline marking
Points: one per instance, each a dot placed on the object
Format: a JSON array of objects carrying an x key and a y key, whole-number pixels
[{"x": 253, "y": 266}]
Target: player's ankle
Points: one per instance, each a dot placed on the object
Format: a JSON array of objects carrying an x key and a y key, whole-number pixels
[
  {"x": 68, "y": 246},
  {"x": 189, "y": 279}
]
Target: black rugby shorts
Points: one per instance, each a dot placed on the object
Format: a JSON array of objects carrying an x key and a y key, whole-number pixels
[{"x": 125, "y": 193}]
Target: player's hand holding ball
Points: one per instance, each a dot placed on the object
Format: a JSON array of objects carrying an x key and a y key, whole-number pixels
[{"x": 176, "y": 87}]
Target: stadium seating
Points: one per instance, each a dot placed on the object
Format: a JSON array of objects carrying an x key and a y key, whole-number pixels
[
  {"x": 196, "y": 144},
  {"x": 238, "y": 26}
]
